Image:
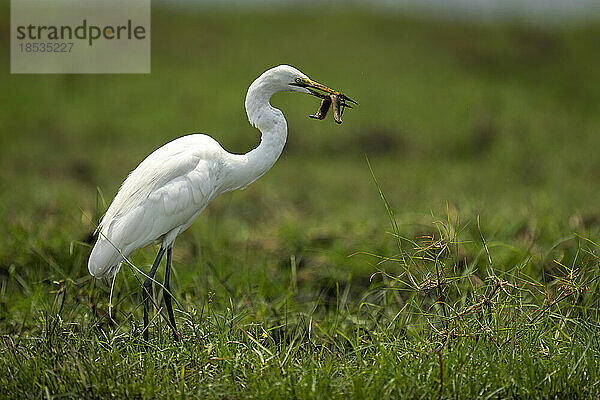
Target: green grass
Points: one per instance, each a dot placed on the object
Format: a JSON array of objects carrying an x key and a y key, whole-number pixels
[{"x": 477, "y": 278}]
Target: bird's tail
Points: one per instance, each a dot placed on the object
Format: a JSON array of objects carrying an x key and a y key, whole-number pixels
[{"x": 105, "y": 259}]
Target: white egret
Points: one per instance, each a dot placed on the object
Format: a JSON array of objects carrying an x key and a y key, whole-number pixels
[{"x": 163, "y": 196}]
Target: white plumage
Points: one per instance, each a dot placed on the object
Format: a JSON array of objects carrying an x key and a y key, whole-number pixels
[
  {"x": 159, "y": 199},
  {"x": 169, "y": 189}
]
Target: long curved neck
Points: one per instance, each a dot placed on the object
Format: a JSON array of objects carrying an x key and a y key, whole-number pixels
[{"x": 246, "y": 168}]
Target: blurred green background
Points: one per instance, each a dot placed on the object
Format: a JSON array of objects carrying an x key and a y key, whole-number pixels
[{"x": 458, "y": 119}]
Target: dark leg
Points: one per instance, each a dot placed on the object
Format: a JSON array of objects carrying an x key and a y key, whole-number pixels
[
  {"x": 167, "y": 294},
  {"x": 147, "y": 289}
]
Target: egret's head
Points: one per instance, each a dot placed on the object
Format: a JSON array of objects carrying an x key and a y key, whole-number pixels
[
  {"x": 284, "y": 76},
  {"x": 288, "y": 78},
  {"x": 278, "y": 79}
]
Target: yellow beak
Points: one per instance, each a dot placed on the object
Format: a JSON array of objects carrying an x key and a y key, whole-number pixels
[{"x": 316, "y": 88}]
